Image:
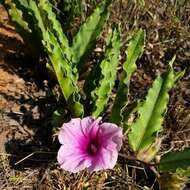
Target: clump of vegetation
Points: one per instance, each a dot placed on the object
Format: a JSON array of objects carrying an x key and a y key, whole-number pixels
[{"x": 141, "y": 120}]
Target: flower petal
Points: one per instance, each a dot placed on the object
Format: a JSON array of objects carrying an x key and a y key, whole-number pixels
[
  {"x": 72, "y": 160},
  {"x": 105, "y": 159},
  {"x": 71, "y": 133},
  {"x": 90, "y": 126},
  {"x": 110, "y": 134},
  {"x": 86, "y": 123}
]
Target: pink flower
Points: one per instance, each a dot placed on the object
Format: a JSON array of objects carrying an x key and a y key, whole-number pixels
[{"x": 89, "y": 143}]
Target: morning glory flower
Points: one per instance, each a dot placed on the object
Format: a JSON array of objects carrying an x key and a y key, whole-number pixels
[{"x": 88, "y": 143}]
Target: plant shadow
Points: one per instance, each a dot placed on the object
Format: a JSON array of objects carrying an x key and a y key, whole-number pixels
[{"x": 29, "y": 138}]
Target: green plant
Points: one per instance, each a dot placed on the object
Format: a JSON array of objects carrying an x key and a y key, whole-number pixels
[
  {"x": 133, "y": 52},
  {"x": 68, "y": 60},
  {"x": 88, "y": 32},
  {"x": 175, "y": 171},
  {"x": 144, "y": 130},
  {"x": 100, "y": 95},
  {"x": 65, "y": 59}
]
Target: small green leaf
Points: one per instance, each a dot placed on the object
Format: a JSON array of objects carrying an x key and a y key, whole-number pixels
[
  {"x": 26, "y": 24},
  {"x": 38, "y": 19},
  {"x": 64, "y": 75},
  {"x": 141, "y": 2},
  {"x": 134, "y": 51},
  {"x": 89, "y": 31},
  {"x": 108, "y": 67},
  {"x": 149, "y": 123},
  {"x": 53, "y": 24},
  {"x": 175, "y": 160},
  {"x": 56, "y": 117},
  {"x": 17, "y": 15}
]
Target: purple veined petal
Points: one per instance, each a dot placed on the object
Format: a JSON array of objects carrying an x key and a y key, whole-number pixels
[
  {"x": 71, "y": 132},
  {"x": 105, "y": 159},
  {"x": 112, "y": 146},
  {"x": 85, "y": 123},
  {"x": 72, "y": 160},
  {"x": 90, "y": 126},
  {"x": 110, "y": 133}
]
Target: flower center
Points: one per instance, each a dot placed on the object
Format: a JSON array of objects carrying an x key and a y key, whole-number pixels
[{"x": 92, "y": 147}]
